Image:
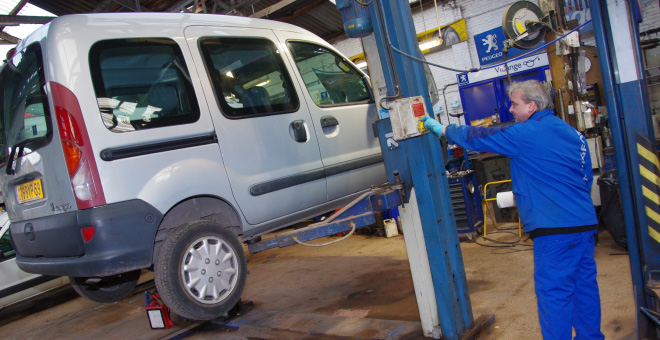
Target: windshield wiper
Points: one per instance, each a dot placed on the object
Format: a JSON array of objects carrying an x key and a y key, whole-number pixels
[{"x": 20, "y": 147}]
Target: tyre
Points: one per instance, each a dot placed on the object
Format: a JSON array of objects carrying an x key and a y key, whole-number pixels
[
  {"x": 200, "y": 270},
  {"x": 106, "y": 289}
]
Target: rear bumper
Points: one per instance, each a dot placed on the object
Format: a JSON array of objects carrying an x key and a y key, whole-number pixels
[{"x": 123, "y": 241}]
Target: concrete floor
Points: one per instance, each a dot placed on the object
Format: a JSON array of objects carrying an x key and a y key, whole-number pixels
[{"x": 362, "y": 277}]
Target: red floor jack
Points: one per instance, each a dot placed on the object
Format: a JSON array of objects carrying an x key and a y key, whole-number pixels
[{"x": 157, "y": 311}]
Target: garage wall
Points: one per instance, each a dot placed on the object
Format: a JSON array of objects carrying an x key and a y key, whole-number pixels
[{"x": 483, "y": 15}]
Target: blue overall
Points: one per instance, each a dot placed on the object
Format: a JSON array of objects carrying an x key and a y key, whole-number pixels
[{"x": 551, "y": 177}]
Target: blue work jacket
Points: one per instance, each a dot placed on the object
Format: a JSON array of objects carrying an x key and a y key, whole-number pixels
[{"x": 550, "y": 168}]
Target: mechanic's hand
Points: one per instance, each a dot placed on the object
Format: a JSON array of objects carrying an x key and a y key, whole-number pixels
[{"x": 432, "y": 125}]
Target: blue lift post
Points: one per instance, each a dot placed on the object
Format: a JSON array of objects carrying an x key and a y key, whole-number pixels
[
  {"x": 616, "y": 28},
  {"x": 419, "y": 162}
]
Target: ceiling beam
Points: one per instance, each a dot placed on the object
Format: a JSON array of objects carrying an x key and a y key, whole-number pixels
[
  {"x": 132, "y": 6},
  {"x": 272, "y": 9},
  {"x": 241, "y": 4},
  {"x": 18, "y": 7},
  {"x": 9, "y": 38},
  {"x": 13, "y": 20},
  {"x": 103, "y": 6},
  {"x": 301, "y": 11},
  {"x": 179, "y": 5}
]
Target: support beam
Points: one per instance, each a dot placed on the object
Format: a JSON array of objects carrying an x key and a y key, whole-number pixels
[
  {"x": 186, "y": 3},
  {"x": 240, "y": 5},
  {"x": 272, "y": 9},
  {"x": 18, "y": 7},
  {"x": 132, "y": 6},
  {"x": 9, "y": 38},
  {"x": 14, "y": 20},
  {"x": 301, "y": 11},
  {"x": 103, "y": 6}
]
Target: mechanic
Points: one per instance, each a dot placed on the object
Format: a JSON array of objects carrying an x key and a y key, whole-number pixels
[{"x": 551, "y": 176}]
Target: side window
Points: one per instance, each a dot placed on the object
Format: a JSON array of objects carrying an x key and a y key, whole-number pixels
[
  {"x": 248, "y": 76},
  {"x": 6, "y": 250},
  {"x": 328, "y": 78},
  {"x": 142, "y": 84}
]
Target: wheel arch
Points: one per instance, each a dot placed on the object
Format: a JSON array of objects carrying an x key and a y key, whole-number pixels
[{"x": 198, "y": 208}]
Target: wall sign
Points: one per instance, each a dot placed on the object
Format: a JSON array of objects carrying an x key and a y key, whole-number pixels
[
  {"x": 490, "y": 44},
  {"x": 516, "y": 66}
]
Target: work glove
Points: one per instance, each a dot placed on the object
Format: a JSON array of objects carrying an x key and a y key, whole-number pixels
[{"x": 432, "y": 125}]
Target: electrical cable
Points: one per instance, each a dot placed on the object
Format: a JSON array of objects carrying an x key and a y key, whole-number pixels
[
  {"x": 389, "y": 43},
  {"x": 437, "y": 19},
  {"x": 390, "y": 63},
  {"x": 364, "y": 3},
  {"x": 503, "y": 244},
  {"x": 445, "y": 99},
  {"x": 295, "y": 238}
]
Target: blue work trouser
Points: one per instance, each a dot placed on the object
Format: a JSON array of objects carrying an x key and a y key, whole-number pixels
[{"x": 566, "y": 287}]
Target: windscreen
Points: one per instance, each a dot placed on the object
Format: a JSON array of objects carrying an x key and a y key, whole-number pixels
[{"x": 24, "y": 115}]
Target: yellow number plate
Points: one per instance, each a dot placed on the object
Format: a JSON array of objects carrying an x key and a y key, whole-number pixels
[{"x": 29, "y": 191}]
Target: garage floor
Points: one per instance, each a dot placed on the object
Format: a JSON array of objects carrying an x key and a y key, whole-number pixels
[{"x": 348, "y": 283}]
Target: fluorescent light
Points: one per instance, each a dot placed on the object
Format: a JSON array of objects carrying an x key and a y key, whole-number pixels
[
  {"x": 430, "y": 43},
  {"x": 362, "y": 64},
  {"x": 263, "y": 82}
]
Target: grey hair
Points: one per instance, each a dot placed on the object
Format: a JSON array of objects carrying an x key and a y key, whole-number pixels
[{"x": 532, "y": 91}]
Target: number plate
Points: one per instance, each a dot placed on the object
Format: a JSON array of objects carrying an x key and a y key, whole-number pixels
[{"x": 30, "y": 191}]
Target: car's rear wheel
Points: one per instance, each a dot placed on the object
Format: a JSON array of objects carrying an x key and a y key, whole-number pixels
[
  {"x": 106, "y": 289},
  {"x": 200, "y": 270}
]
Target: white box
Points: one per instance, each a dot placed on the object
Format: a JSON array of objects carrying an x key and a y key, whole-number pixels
[
  {"x": 596, "y": 152},
  {"x": 405, "y": 114}
]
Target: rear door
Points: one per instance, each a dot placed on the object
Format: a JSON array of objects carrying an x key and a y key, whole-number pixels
[
  {"x": 35, "y": 181},
  {"x": 266, "y": 135},
  {"x": 338, "y": 98}
]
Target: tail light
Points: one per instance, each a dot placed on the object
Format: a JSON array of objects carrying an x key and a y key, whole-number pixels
[{"x": 78, "y": 152}]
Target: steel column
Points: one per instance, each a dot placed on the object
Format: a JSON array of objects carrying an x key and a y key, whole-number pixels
[{"x": 423, "y": 162}]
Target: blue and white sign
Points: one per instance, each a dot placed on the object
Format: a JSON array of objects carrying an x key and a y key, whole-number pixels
[
  {"x": 490, "y": 44},
  {"x": 516, "y": 66}
]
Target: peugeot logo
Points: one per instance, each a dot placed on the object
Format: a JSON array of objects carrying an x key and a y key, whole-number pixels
[{"x": 29, "y": 232}]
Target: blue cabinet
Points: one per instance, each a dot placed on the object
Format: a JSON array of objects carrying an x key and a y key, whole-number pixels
[{"x": 484, "y": 94}]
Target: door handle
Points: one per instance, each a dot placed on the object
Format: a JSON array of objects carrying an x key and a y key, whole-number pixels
[
  {"x": 328, "y": 121},
  {"x": 298, "y": 131}
]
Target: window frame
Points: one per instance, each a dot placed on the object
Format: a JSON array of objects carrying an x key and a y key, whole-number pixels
[
  {"x": 363, "y": 77},
  {"x": 40, "y": 142},
  {"x": 222, "y": 103},
  {"x": 100, "y": 91}
]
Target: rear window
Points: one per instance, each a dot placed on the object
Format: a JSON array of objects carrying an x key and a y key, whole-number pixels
[
  {"x": 249, "y": 77},
  {"x": 142, "y": 84},
  {"x": 24, "y": 115}
]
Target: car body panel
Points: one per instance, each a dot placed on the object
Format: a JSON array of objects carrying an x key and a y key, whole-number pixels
[{"x": 15, "y": 284}]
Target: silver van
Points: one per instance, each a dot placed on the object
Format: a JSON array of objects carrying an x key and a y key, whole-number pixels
[{"x": 156, "y": 140}]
